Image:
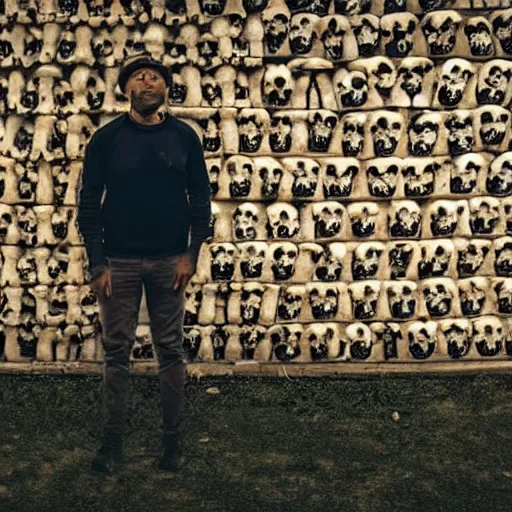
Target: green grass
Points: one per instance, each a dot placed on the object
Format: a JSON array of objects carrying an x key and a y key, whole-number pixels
[{"x": 265, "y": 445}]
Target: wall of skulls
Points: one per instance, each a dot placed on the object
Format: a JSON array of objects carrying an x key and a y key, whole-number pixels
[{"x": 360, "y": 160}]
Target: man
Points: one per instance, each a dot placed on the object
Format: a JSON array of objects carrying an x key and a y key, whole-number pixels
[{"x": 148, "y": 162}]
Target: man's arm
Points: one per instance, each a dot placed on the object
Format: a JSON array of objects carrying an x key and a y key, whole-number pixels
[
  {"x": 89, "y": 207},
  {"x": 199, "y": 195}
]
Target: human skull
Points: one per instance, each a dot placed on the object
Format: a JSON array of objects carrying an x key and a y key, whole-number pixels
[
  {"x": 284, "y": 256},
  {"x": 499, "y": 177},
  {"x": 250, "y": 133},
  {"x": 419, "y": 179},
  {"x": 366, "y": 260},
  {"x": 250, "y": 302},
  {"x": 444, "y": 217},
  {"x": 422, "y": 339},
  {"x": 402, "y": 300},
  {"x": 460, "y": 132},
  {"x": 305, "y": 176},
  {"x": 271, "y": 173},
  {"x": 366, "y": 32},
  {"x": 280, "y": 133},
  {"x": 302, "y": 33},
  {"x": 472, "y": 296},
  {"x": 411, "y": 75},
  {"x": 353, "y": 134},
  {"x": 329, "y": 262},
  {"x": 494, "y": 123},
  {"x": 458, "y": 340},
  {"x": 478, "y": 33},
  {"x": 328, "y": 219},
  {"x": 252, "y": 258},
  {"x": 400, "y": 256},
  {"x": 339, "y": 177},
  {"x": 453, "y": 81},
  {"x": 423, "y": 131},
  {"x": 502, "y": 29},
  {"x": 464, "y": 173},
  {"x": 245, "y": 220},
  {"x": 276, "y": 26},
  {"x": 283, "y": 221},
  {"x": 222, "y": 265},
  {"x": 240, "y": 170},
  {"x": 277, "y": 85},
  {"x": 321, "y": 124},
  {"x": 351, "y": 88},
  {"x": 286, "y": 342},
  {"x": 364, "y": 299},
  {"x": 470, "y": 259},
  {"x": 381, "y": 175},
  {"x": 435, "y": 259},
  {"x": 404, "y": 220},
  {"x": 359, "y": 338},
  {"x": 386, "y": 128},
  {"x": 488, "y": 336},
  {"x": 398, "y": 34},
  {"x": 438, "y": 298},
  {"x": 323, "y": 302},
  {"x": 440, "y": 30},
  {"x": 484, "y": 215},
  {"x": 289, "y": 303},
  {"x": 494, "y": 79}
]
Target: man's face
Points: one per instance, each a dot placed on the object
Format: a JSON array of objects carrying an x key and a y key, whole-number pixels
[{"x": 147, "y": 91}]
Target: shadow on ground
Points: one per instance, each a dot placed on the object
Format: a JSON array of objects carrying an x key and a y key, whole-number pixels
[{"x": 265, "y": 445}]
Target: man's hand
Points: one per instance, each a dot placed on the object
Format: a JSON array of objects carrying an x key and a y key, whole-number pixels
[
  {"x": 102, "y": 285},
  {"x": 184, "y": 270}
]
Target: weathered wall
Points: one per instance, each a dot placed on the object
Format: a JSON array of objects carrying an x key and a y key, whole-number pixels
[{"x": 359, "y": 160}]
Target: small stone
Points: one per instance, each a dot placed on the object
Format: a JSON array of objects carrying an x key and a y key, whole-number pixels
[
  {"x": 3, "y": 489},
  {"x": 204, "y": 440},
  {"x": 213, "y": 391},
  {"x": 395, "y": 416},
  {"x": 507, "y": 474}
]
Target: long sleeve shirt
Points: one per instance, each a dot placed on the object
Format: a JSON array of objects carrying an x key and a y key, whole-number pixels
[{"x": 157, "y": 191}]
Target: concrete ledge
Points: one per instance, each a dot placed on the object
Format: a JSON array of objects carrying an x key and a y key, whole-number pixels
[{"x": 255, "y": 369}]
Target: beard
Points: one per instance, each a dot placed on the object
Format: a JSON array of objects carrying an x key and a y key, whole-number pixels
[{"x": 147, "y": 105}]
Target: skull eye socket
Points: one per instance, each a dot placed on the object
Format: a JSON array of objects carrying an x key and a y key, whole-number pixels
[
  {"x": 396, "y": 126},
  {"x": 291, "y": 254},
  {"x": 386, "y": 33},
  {"x": 331, "y": 170},
  {"x": 486, "y": 117},
  {"x": 504, "y": 118}
]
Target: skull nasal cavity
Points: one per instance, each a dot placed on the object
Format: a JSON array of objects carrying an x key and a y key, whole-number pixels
[{"x": 279, "y": 81}]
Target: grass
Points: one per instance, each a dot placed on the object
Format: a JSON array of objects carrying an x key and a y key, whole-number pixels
[{"x": 309, "y": 444}]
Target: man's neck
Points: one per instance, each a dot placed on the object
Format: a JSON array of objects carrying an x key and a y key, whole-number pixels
[{"x": 155, "y": 118}]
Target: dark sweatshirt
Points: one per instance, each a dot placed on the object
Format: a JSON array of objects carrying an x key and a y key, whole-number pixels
[{"x": 157, "y": 191}]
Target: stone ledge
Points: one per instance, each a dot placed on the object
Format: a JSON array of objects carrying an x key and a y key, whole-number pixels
[{"x": 243, "y": 368}]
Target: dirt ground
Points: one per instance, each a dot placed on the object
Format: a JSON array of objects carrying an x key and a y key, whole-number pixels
[{"x": 397, "y": 443}]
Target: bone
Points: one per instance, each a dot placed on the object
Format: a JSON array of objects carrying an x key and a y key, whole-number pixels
[
  {"x": 488, "y": 336},
  {"x": 442, "y": 32},
  {"x": 301, "y": 180},
  {"x": 324, "y": 341},
  {"x": 455, "y": 339},
  {"x": 443, "y": 218},
  {"x": 252, "y": 303},
  {"x": 252, "y": 261},
  {"x": 388, "y": 340},
  {"x": 484, "y": 217},
  {"x": 288, "y": 343},
  {"x": 11, "y": 313},
  {"x": 422, "y": 341},
  {"x": 366, "y": 260},
  {"x": 338, "y": 40},
  {"x": 501, "y": 295},
  {"x": 493, "y": 83},
  {"x": 360, "y": 344},
  {"x": 498, "y": 180},
  {"x": 500, "y": 22},
  {"x": 325, "y": 302},
  {"x": 366, "y": 221},
  {"x": 12, "y": 37},
  {"x": 403, "y": 258},
  {"x": 438, "y": 258},
  {"x": 324, "y": 221},
  {"x": 404, "y": 220},
  {"x": 217, "y": 262},
  {"x": 9, "y": 231},
  {"x": 281, "y": 263},
  {"x": 438, "y": 298},
  {"x": 492, "y": 128},
  {"x": 364, "y": 296},
  {"x": 456, "y": 84},
  {"x": 15, "y": 351},
  {"x": 50, "y": 139}
]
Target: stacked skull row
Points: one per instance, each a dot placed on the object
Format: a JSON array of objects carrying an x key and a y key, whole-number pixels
[
  {"x": 359, "y": 221},
  {"x": 364, "y": 84},
  {"x": 362, "y": 135},
  {"x": 277, "y": 32},
  {"x": 278, "y": 262},
  {"x": 271, "y": 262},
  {"x": 129, "y": 12},
  {"x": 266, "y": 303},
  {"x": 291, "y": 179},
  {"x": 450, "y": 339},
  {"x": 301, "y": 179}
]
